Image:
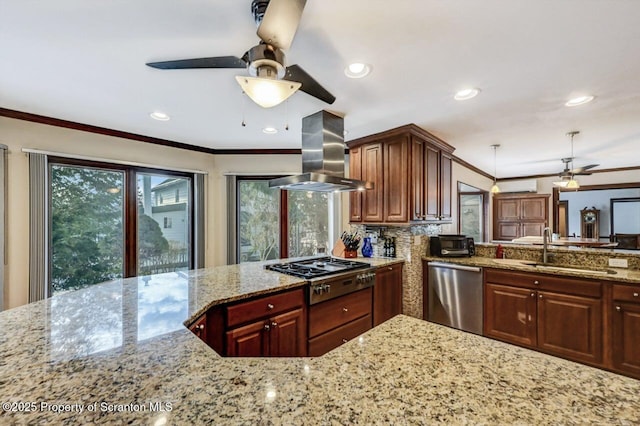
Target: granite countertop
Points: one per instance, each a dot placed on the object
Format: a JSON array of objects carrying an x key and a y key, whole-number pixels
[
  {"x": 621, "y": 275},
  {"x": 119, "y": 353}
]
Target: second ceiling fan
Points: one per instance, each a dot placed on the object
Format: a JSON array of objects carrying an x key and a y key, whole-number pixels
[
  {"x": 270, "y": 80},
  {"x": 567, "y": 175}
]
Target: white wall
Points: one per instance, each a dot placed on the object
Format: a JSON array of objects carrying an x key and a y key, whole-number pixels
[{"x": 18, "y": 134}]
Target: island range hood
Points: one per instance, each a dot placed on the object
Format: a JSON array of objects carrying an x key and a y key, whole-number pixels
[{"x": 322, "y": 158}]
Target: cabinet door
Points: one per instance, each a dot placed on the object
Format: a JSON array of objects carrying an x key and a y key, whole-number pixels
[
  {"x": 533, "y": 208},
  {"x": 507, "y": 209},
  {"x": 570, "y": 326},
  {"x": 626, "y": 338},
  {"x": 432, "y": 183},
  {"x": 323, "y": 343},
  {"x": 387, "y": 293},
  {"x": 199, "y": 328},
  {"x": 372, "y": 203},
  {"x": 355, "y": 197},
  {"x": 396, "y": 180},
  {"x": 417, "y": 180},
  {"x": 506, "y": 230},
  {"x": 510, "y": 314},
  {"x": 533, "y": 229},
  {"x": 445, "y": 187},
  {"x": 287, "y": 335},
  {"x": 249, "y": 341}
]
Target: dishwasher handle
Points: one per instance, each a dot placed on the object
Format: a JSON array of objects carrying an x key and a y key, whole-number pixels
[{"x": 454, "y": 266}]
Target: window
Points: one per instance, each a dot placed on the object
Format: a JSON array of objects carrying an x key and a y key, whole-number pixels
[
  {"x": 177, "y": 195},
  {"x": 471, "y": 212},
  {"x": 95, "y": 207},
  {"x": 272, "y": 223}
]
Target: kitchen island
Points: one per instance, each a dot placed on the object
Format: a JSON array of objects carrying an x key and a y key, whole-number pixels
[{"x": 119, "y": 352}]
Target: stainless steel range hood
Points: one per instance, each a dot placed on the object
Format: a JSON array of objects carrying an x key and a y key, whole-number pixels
[{"x": 322, "y": 158}]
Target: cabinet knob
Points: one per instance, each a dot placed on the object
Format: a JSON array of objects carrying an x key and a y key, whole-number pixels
[
  {"x": 536, "y": 282},
  {"x": 200, "y": 326},
  {"x": 267, "y": 326},
  {"x": 635, "y": 294},
  {"x": 345, "y": 310},
  {"x": 540, "y": 296},
  {"x": 533, "y": 294},
  {"x": 390, "y": 268},
  {"x": 274, "y": 324},
  {"x": 618, "y": 308},
  {"x": 270, "y": 306},
  {"x": 344, "y": 340}
]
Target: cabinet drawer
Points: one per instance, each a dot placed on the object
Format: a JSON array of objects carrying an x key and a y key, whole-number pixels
[
  {"x": 575, "y": 286},
  {"x": 630, "y": 293},
  {"x": 264, "y": 307},
  {"x": 328, "y": 315},
  {"x": 334, "y": 338}
]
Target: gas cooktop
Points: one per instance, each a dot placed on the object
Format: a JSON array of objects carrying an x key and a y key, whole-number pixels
[{"x": 317, "y": 267}]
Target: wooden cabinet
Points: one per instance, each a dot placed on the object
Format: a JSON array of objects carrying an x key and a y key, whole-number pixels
[
  {"x": 387, "y": 293},
  {"x": 273, "y": 325},
  {"x": 338, "y": 320},
  {"x": 625, "y": 326},
  {"x": 411, "y": 171},
  {"x": 560, "y": 316},
  {"x": 516, "y": 216}
]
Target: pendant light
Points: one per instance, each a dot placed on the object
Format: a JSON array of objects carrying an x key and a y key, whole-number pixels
[
  {"x": 573, "y": 183},
  {"x": 495, "y": 189}
]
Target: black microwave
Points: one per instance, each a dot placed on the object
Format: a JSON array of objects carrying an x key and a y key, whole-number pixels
[{"x": 451, "y": 246}]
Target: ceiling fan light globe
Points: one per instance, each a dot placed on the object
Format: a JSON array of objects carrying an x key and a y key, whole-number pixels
[
  {"x": 266, "y": 92},
  {"x": 495, "y": 189},
  {"x": 573, "y": 184}
]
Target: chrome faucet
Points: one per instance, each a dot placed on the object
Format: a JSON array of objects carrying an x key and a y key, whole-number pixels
[{"x": 546, "y": 236}]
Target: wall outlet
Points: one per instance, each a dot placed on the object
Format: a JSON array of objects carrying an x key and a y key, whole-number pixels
[
  {"x": 417, "y": 240},
  {"x": 618, "y": 263}
]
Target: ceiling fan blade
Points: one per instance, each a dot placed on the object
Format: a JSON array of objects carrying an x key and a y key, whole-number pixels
[
  {"x": 579, "y": 170},
  {"x": 214, "y": 62},
  {"x": 280, "y": 22},
  {"x": 309, "y": 85}
]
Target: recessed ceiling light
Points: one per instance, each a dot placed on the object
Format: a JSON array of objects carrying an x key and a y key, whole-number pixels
[
  {"x": 464, "y": 94},
  {"x": 270, "y": 130},
  {"x": 357, "y": 70},
  {"x": 160, "y": 116},
  {"x": 580, "y": 100}
]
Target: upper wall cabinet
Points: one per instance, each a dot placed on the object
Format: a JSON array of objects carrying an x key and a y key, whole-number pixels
[{"x": 411, "y": 172}]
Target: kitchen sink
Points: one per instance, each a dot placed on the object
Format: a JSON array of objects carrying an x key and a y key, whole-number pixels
[{"x": 551, "y": 267}]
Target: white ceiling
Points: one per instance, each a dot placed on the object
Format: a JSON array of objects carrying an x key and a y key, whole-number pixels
[{"x": 84, "y": 61}]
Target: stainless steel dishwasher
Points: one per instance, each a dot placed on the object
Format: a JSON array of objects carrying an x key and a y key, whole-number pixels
[{"x": 455, "y": 296}]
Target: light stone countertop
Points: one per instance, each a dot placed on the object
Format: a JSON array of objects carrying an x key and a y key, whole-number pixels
[
  {"x": 629, "y": 276},
  {"x": 122, "y": 346}
]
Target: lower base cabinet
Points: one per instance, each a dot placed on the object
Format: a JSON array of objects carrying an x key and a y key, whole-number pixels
[
  {"x": 625, "y": 326},
  {"x": 387, "y": 293},
  {"x": 279, "y": 336},
  {"x": 339, "y": 320},
  {"x": 559, "y": 316}
]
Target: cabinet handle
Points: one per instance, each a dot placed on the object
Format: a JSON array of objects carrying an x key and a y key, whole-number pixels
[
  {"x": 267, "y": 327},
  {"x": 390, "y": 268},
  {"x": 345, "y": 310},
  {"x": 344, "y": 340},
  {"x": 533, "y": 294},
  {"x": 540, "y": 296},
  {"x": 618, "y": 308},
  {"x": 536, "y": 282},
  {"x": 270, "y": 306},
  {"x": 274, "y": 324},
  {"x": 635, "y": 294},
  {"x": 200, "y": 326}
]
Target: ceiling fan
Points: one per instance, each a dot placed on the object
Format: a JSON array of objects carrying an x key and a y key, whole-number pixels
[
  {"x": 270, "y": 81},
  {"x": 567, "y": 175}
]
